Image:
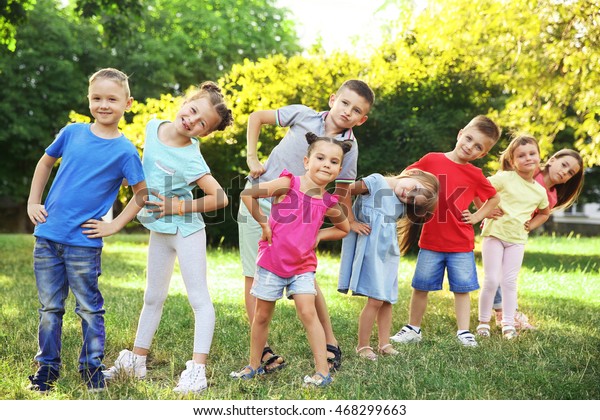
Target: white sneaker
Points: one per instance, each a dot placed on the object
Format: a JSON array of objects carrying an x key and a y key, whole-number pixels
[
  {"x": 467, "y": 339},
  {"x": 407, "y": 335},
  {"x": 127, "y": 364},
  {"x": 193, "y": 378}
]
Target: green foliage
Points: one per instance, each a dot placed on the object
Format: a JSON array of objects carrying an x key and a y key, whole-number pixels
[
  {"x": 114, "y": 16},
  {"x": 530, "y": 65},
  {"x": 178, "y": 43},
  {"x": 12, "y": 14},
  {"x": 558, "y": 289},
  {"x": 39, "y": 89},
  {"x": 539, "y": 56},
  {"x": 165, "y": 46}
]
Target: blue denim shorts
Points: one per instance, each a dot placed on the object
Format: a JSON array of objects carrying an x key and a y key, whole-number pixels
[
  {"x": 269, "y": 286},
  {"x": 429, "y": 273}
]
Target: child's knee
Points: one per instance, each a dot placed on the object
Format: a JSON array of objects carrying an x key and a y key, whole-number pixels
[
  {"x": 307, "y": 314},
  {"x": 375, "y": 303}
]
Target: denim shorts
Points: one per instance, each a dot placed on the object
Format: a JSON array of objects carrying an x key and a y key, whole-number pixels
[
  {"x": 269, "y": 286},
  {"x": 429, "y": 273}
]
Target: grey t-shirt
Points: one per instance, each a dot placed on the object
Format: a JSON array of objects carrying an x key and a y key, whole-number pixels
[{"x": 289, "y": 153}]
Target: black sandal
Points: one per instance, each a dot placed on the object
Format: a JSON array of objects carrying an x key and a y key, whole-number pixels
[
  {"x": 273, "y": 359},
  {"x": 336, "y": 360}
]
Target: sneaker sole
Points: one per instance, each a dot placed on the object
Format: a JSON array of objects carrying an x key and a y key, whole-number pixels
[
  {"x": 190, "y": 391},
  {"x": 397, "y": 340}
]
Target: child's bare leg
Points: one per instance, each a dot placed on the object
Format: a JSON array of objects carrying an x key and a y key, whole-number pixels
[
  {"x": 384, "y": 323},
  {"x": 418, "y": 305},
  {"x": 200, "y": 358},
  {"x": 140, "y": 351},
  {"x": 324, "y": 318},
  {"x": 462, "y": 304},
  {"x": 260, "y": 330},
  {"x": 366, "y": 322},
  {"x": 249, "y": 300},
  {"x": 305, "y": 307}
]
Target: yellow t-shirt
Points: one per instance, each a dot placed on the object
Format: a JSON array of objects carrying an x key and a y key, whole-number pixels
[{"x": 518, "y": 200}]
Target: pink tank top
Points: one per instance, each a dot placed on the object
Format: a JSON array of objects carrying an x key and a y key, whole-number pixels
[{"x": 295, "y": 222}]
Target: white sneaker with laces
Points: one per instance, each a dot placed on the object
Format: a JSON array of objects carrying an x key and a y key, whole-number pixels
[
  {"x": 467, "y": 339},
  {"x": 407, "y": 335},
  {"x": 128, "y": 364},
  {"x": 193, "y": 378}
]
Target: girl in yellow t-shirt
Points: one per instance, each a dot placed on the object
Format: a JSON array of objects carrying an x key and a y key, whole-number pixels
[{"x": 504, "y": 238}]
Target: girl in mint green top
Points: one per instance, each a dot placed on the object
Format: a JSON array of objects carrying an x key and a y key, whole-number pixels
[
  {"x": 174, "y": 166},
  {"x": 504, "y": 238}
]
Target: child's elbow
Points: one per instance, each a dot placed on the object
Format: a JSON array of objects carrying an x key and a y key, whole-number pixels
[
  {"x": 224, "y": 201},
  {"x": 345, "y": 227}
]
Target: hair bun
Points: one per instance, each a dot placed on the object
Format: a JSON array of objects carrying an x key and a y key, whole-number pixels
[
  {"x": 311, "y": 137},
  {"x": 210, "y": 87},
  {"x": 346, "y": 146}
]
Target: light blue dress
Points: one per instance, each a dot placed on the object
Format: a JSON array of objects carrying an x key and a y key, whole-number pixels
[{"x": 369, "y": 263}]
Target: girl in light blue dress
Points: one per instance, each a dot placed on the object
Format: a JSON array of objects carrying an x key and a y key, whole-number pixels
[{"x": 387, "y": 207}]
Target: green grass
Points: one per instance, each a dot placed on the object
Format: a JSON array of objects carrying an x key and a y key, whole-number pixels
[{"x": 559, "y": 287}]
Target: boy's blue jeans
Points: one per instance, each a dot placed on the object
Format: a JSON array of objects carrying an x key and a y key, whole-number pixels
[
  {"x": 498, "y": 299},
  {"x": 57, "y": 268}
]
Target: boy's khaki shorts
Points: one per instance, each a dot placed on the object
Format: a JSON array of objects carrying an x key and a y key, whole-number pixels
[{"x": 249, "y": 234}]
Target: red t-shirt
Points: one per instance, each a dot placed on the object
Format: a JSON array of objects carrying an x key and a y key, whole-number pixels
[{"x": 459, "y": 185}]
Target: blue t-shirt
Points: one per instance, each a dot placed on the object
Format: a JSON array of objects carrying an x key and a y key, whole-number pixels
[
  {"x": 87, "y": 182},
  {"x": 172, "y": 172}
]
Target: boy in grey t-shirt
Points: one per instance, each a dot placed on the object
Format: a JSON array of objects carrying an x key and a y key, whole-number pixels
[{"x": 349, "y": 107}]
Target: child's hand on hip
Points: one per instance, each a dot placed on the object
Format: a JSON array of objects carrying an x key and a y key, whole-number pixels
[
  {"x": 37, "y": 213},
  {"x": 163, "y": 207},
  {"x": 98, "y": 228},
  {"x": 360, "y": 227},
  {"x": 267, "y": 234}
]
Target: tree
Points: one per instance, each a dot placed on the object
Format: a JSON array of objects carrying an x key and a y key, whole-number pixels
[
  {"x": 178, "y": 43},
  {"x": 12, "y": 14},
  {"x": 543, "y": 55},
  {"x": 39, "y": 90},
  {"x": 161, "y": 49}
]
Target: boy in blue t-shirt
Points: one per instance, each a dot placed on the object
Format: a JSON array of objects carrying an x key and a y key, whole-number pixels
[
  {"x": 96, "y": 158},
  {"x": 349, "y": 107}
]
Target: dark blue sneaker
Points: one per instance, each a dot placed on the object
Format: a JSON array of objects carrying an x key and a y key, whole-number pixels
[
  {"x": 94, "y": 379},
  {"x": 44, "y": 379}
]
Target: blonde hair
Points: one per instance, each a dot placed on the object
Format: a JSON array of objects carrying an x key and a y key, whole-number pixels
[
  {"x": 112, "y": 74},
  {"x": 212, "y": 92},
  {"x": 569, "y": 191},
  {"x": 409, "y": 226},
  {"x": 507, "y": 158}
]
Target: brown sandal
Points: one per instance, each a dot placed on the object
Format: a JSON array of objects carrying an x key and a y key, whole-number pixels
[{"x": 366, "y": 352}]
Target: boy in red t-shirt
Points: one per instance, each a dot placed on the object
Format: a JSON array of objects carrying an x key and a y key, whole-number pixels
[{"x": 447, "y": 240}]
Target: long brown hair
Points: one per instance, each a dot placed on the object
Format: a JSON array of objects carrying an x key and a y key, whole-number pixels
[
  {"x": 568, "y": 192},
  {"x": 409, "y": 226}
]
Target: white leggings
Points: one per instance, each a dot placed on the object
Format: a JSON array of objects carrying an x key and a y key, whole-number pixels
[
  {"x": 191, "y": 253},
  {"x": 501, "y": 263}
]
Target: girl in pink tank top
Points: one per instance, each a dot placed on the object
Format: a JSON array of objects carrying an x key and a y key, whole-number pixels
[{"x": 286, "y": 257}]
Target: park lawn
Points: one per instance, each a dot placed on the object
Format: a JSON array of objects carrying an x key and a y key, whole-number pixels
[{"x": 559, "y": 287}]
